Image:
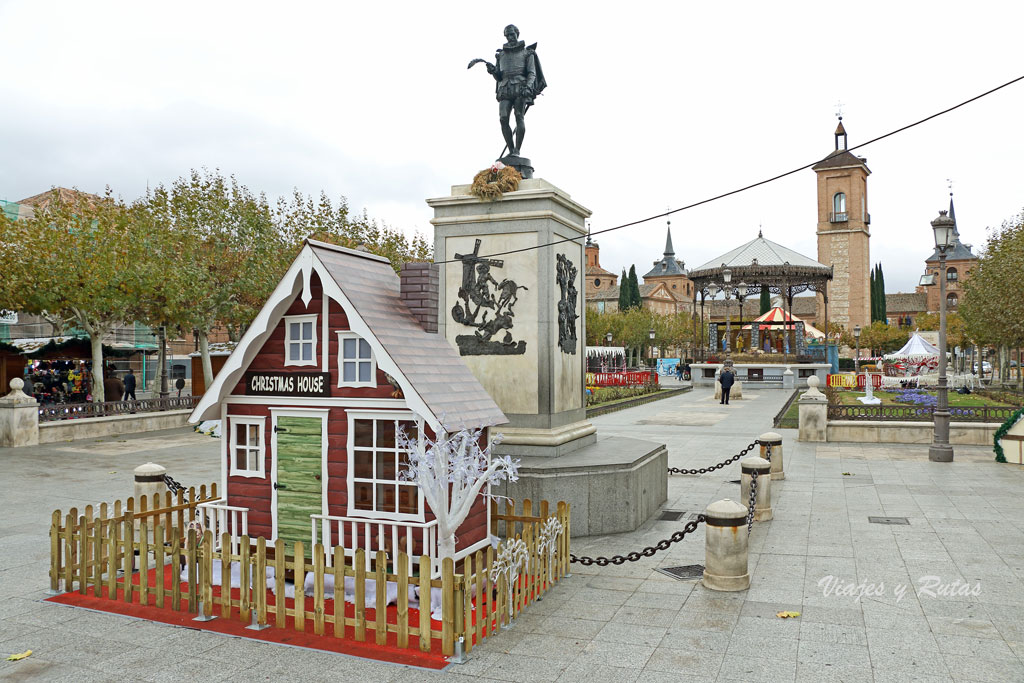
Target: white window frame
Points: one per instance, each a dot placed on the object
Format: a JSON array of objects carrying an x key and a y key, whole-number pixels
[
  {"x": 261, "y": 450},
  {"x": 348, "y": 334},
  {"x": 289, "y": 320},
  {"x": 837, "y": 203},
  {"x": 400, "y": 415}
]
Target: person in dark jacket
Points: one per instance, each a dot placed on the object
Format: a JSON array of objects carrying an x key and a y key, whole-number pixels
[
  {"x": 726, "y": 379},
  {"x": 112, "y": 387},
  {"x": 129, "y": 385}
]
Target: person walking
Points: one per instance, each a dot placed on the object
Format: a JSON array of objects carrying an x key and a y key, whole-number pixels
[
  {"x": 726, "y": 378},
  {"x": 129, "y": 385}
]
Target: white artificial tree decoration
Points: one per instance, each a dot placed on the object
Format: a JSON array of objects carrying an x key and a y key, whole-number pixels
[
  {"x": 451, "y": 471},
  {"x": 512, "y": 555},
  {"x": 547, "y": 541}
]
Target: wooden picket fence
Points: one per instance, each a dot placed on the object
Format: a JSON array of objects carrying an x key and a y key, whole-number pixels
[{"x": 111, "y": 550}]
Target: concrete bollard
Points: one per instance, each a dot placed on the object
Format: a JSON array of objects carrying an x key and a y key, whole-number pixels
[
  {"x": 725, "y": 547},
  {"x": 813, "y": 413},
  {"x": 149, "y": 479},
  {"x": 771, "y": 450},
  {"x": 763, "y": 496}
]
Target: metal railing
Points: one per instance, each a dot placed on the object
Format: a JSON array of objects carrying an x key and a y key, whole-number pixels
[
  {"x": 761, "y": 379},
  {"x": 391, "y": 536},
  {"x": 73, "y": 411},
  {"x": 911, "y": 413},
  {"x": 221, "y": 518}
]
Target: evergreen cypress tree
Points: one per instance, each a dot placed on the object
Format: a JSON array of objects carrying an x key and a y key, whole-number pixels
[
  {"x": 634, "y": 289},
  {"x": 624, "y": 292},
  {"x": 883, "y": 314},
  {"x": 874, "y": 296},
  {"x": 766, "y": 300}
]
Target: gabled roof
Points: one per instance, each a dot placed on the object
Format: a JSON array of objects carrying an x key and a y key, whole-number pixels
[
  {"x": 436, "y": 383},
  {"x": 668, "y": 265},
  {"x": 43, "y": 200},
  {"x": 842, "y": 158},
  {"x": 598, "y": 270},
  {"x": 906, "y": 302}
]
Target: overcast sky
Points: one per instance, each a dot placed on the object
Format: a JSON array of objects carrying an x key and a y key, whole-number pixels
[{"x": 648, "y": 106}]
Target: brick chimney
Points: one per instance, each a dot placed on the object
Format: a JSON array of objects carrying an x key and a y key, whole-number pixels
[{"x": 419, "y": 293}]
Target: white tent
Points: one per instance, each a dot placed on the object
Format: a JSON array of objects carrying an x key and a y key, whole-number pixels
[
  {"x": 915, "y": 346},
  {"x": 917, "y": 357}
]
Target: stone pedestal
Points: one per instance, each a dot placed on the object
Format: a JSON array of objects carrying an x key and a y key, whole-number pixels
[
  {"x": 735, "y": 394},
  {"x": 517, "y": 320},
  {"x": 771, "y": 450},
  {"x": 514, "y": 319},
  {"x": 613, "y": 486},
  {"x": 813, "y": 413},
  {"x": 725, "y": 547},
  {"x": 763, "y": 494},
  {"x": 19, "y": 417},
  {"x": 788, "y": 380}
]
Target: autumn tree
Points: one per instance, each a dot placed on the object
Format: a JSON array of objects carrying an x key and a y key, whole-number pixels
[
  {"x": 303, "y": 216},
  {"x": 882, "y": 338},
  {"x": 77, "y": 259},
  {"x": 993, "y": 303},
  {"x": 217, "y": 256}
]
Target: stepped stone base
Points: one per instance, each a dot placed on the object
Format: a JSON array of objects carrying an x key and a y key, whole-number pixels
[{"x": 613, "y": 486}]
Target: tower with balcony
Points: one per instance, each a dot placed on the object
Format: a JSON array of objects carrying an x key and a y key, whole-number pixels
[{"x": 844, "y": 231}]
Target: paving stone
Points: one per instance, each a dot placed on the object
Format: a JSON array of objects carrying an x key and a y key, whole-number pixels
[
  {"x": 756, "y": 668},
  {"x": 631, "y": 623}
]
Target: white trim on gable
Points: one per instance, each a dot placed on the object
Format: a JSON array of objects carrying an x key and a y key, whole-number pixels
[
  {"x": 384, "y": 361},
  {"x": 297, "y": 280},
  {"x": 253, "y": 339}
]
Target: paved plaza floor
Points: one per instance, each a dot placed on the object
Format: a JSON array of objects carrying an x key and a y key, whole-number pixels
[{"x": 938, "y": 599}]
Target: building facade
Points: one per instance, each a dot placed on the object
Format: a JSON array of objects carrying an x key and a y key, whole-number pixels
[
  {"x": 670, "y": 271},
  {"x": 960, "y": 263},
  {"x": 597, "y": 278},
  {"x": 844, "y": 232}
]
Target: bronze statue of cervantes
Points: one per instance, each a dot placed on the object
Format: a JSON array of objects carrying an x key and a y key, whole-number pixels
[{"x": 518, "y": 80}]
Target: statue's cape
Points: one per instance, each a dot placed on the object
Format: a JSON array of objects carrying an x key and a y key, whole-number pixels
[{"x": 541, "y": 82}]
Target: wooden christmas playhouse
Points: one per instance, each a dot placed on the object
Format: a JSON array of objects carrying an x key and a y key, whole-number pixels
[{"x": 312, "y": 399}]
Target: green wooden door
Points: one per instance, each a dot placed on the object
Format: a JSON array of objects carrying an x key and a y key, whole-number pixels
[{"x": 299, "y": 484}]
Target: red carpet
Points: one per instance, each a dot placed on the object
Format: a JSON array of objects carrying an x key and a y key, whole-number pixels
[{"x": 288, "y": 636}]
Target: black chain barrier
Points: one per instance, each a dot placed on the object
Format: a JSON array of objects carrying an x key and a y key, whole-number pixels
[
  {"x": 753, "y": 499},
  {"x": 712, "y": 468},
  {"x": 637, "y": 554},
  {"x": 172, "y": 485}
]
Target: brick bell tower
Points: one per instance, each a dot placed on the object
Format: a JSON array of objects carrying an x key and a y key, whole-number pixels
[{"x": 844, "y": 232}]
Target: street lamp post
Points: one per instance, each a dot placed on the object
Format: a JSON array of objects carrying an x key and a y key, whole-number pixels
[
  {"x": 650, "y": 334},
  {"x": 856, "y": 361},
  {"x": 941, "y": 450},
  {"x": 164, "y": 388},
  {"x": 727, "y": 287},
  {"x": 741, "y": 294}
]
